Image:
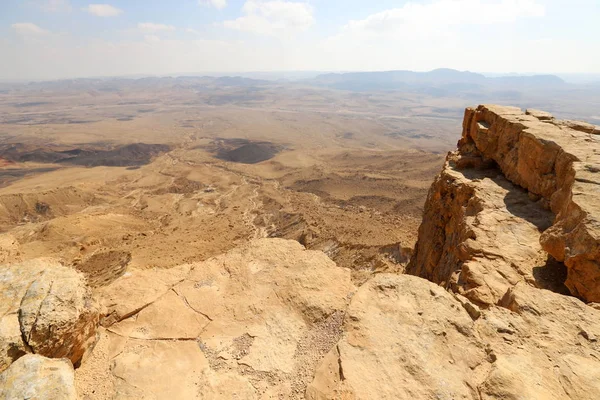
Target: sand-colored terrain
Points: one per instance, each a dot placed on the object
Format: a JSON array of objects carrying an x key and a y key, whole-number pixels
[
  {"x": 143, "y": 237},
  {"x": 146, "y": 179}
]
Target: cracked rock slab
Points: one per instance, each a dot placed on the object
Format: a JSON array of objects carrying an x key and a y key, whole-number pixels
[
  {"x": 251, "y": 323},
  {"x": 167, "y": 318},
  {"x": 135, "y": 290}
]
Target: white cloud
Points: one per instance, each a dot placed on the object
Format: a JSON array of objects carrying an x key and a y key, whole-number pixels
[
  {"x": 28, "y": 28},
  {"x": 442, "y": 33},
  {"x": 445, "y": 13},
  {"x": 62, "y": 56},
  {"x": 420, "y": 36},
  {"x": 103, "y": 10},
  {"x": 68, "y": 56},
  {"x": 53, "y": 5},
  {"x": 150, "y": 27},
  {"x": 219, "y": 4},
  {"x": 276, "y": 18},
  {"x": 151, "y": 38}
]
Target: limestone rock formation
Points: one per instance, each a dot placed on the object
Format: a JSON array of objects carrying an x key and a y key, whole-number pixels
[
  {"x": 485, "y": 213},
  {"x": 252, "y": 323},
  {"x": 40, "y": 378},
  {"x": 467, "y": 215},
  {"x": 46, "y": 309},
  {"x": 517, "y": 199},
  {"x": 409, "y": 338}
]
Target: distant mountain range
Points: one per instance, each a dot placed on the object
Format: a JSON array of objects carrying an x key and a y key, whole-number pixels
[
  {"x": 438, "y": 78},
  {"x": 438, "y": 83}
]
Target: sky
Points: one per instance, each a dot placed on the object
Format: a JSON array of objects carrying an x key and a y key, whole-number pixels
[{"x": 55, "y": 39}]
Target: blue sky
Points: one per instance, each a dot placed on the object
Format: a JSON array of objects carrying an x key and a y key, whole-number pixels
[{"x": 47, "y": 39}]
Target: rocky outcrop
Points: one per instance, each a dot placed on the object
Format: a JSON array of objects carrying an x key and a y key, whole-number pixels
[
  {"x": 45, "y": 309},
  {"x": 252, "y": 323},
  {"x": 36, "y": 377},
  {"x": 520, "y": 186},
  {"x": 467, "y": 215},
  {"x": 409, "y": 338},
  {"x": 517, "y": 199}
]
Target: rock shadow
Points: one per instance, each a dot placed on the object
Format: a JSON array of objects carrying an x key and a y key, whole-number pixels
[
  {"x": 552, "y": 276},
  {"x": 519, "y": 202}
]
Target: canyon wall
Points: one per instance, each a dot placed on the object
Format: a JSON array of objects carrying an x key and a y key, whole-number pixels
[{"x": 518, "y": 199}]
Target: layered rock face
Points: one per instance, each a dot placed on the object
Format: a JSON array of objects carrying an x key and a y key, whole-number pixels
[{"x": 520, "y": 186}]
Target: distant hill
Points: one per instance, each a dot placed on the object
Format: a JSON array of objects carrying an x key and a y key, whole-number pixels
[
  {"x": 443, "y": 78},
  {"x": 533, "y": 80},
  {"x": 123, "y": 84}
]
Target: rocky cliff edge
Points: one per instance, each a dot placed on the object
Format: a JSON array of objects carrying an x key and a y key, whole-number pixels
[{"x": 519, "y": 200}]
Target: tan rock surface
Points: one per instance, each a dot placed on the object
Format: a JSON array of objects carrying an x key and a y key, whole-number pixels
[
  {"x": 405, "y": 338},
  {"x": 47, "y": 309},
  {"x": 480, "y": 226},
  {"x": 558, "y": 161},
  {"x": 167, "y": 318},
  {"x": 409, "y": 338},
  {"x": 38, "y": 378},
  {"x": 141, "y": 368},
  {"x": 252, "y": 323},
  {"x": 135, "y": 290},
  {"x": 481, "y": 234}
]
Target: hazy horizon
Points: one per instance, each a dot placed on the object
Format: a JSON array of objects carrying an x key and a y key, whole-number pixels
[
  {"x": 292, "y": 75},
  {"x": 58, "y": 39}
]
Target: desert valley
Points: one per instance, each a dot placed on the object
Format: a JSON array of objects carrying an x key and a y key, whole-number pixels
[{"x": 238, "y": 238}]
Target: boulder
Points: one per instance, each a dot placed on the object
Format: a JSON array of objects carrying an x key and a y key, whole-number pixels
[
  {"x": 36, "y": 377},
  {"x": 539, "y": 114},
  {"x": 46, "y": 309}
]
